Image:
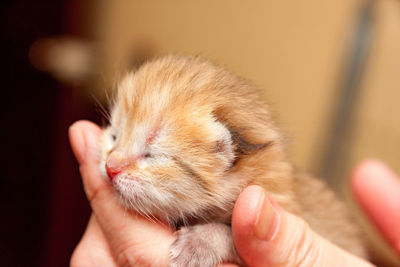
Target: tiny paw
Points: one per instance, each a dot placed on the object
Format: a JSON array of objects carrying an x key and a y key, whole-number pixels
[{"x": 191, "y": 249}]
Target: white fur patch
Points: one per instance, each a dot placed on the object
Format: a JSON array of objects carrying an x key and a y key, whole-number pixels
[{"x": 224, "y": 141}]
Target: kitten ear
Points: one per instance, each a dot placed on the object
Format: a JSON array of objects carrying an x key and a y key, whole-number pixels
[
  {"x": 238, "y": 145},
  {"x": 224, "y": 146}
]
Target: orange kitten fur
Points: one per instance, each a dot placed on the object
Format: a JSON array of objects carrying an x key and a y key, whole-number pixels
[{"x": 185, "y": 138}]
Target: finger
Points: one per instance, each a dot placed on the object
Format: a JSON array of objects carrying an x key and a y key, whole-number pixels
[
  {"x": 377, "y": 189},
  {"x": 265, "y": 235},
  {"x": 132, "y": 238},
  {"x": 83, "y": 137},
  {"x": 93, "y": 249}
]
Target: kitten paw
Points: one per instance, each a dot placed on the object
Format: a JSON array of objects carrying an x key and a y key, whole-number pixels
[{"x": 191, "y": 249}]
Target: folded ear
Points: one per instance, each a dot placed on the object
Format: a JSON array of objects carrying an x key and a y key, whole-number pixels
[
  {"x": 231, "y": 146},
  {"x": 224, "y": 146}
]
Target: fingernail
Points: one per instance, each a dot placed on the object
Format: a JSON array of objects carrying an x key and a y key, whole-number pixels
[{"x": 267, "y": 222}]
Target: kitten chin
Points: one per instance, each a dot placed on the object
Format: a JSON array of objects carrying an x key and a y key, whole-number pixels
[{"x": 185, "y": 138}]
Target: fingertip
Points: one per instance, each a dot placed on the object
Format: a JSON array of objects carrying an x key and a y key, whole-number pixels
[
  {"x": 361, "y": 168},
  {"x": 83, "y": 137},
  {"x": 370, "y": 169},
  {"x": 363, "y": 175},
  {"x": 77, "y": 141},
  {"x": 84, "y": 126},
  {"x": 377, "y": 190},
  {"x": 371, "y": 175}
]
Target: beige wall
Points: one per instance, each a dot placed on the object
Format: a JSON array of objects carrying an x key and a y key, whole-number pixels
[
  {"x": 292, "y": 50},
  {"x": 377, "y": 130}
]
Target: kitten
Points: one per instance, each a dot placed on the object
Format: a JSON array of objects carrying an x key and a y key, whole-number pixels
[{"x": 185, "y": 138}]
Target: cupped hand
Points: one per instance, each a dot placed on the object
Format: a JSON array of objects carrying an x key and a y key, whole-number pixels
[
  {"x": 266, "y": 235},
  {"x": 114, "y": 235}
]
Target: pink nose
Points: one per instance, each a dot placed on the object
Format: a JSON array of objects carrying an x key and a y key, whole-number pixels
[{"x": 115, "y": 164}]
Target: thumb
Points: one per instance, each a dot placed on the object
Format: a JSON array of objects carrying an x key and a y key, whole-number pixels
[{"x": 266, "y": 235}]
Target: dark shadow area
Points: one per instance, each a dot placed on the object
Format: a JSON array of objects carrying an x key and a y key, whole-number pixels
[{"x": 41, "y": 195}]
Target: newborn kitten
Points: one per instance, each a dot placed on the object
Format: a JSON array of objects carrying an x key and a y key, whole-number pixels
[{"x": 186, "y": 137}]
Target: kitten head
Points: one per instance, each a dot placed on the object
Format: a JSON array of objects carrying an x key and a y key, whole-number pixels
[{"x": 184, "y": 139}]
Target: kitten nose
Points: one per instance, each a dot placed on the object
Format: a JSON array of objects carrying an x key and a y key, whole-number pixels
[{"x": 116, "y": 162}]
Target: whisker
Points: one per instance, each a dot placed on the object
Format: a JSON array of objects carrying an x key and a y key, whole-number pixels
[{"x": 100, "y": 107}]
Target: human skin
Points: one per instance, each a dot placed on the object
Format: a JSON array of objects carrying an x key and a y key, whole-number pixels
[
  {"x": 118, "y": 237},
  {"x": 372, "y": 180}
]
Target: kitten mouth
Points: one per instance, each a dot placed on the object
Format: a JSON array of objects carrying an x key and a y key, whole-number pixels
[
  {"x": 125, "y": 180},
  {"x": 130, "y": 190},
  {"x": 127, "y": 185}
]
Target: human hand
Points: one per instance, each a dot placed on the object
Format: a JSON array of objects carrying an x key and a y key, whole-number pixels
[
  {"x": 114, "y": 235},
  {"x": 266, "y": 235}
]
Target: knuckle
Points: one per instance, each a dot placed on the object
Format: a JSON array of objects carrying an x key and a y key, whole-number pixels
[
  {"x": 138, "y": 254},
  {"x": 93, "y": 191},
  {"x": 306, "y": 249},
  {"x": 97, "y": 193},
  {"x": 128, "y": 256}
]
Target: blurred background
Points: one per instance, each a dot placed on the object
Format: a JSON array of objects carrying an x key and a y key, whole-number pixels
[{"x": 329, "y": 69}]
